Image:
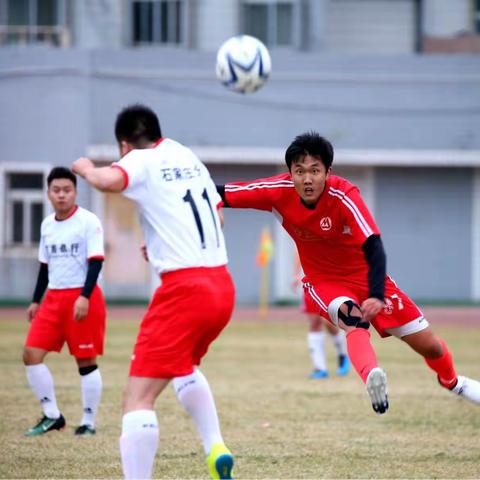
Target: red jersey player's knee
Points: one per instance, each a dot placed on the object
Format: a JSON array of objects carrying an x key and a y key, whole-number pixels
[{"x": 350, "y": 316}]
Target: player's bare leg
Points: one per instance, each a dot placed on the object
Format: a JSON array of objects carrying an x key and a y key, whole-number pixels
[
  {"x": 140, "y": 432},
  {"x": 360, "y": 350},
  {"x": 91, "y": 385},
  {"x": 439, "y": 359},
  {"x": 41, "y": 382}
]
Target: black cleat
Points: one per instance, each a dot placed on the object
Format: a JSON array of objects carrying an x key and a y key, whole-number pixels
[
  {"x": 46, "y": 425},
  {"x": 85, "y": 431}
]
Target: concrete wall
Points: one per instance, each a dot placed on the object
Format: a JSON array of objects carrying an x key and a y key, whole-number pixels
[
  {"x": 371, "y": 26},
  {"x": 444, "y": 18},
  {"x": 425, "y": 218}
]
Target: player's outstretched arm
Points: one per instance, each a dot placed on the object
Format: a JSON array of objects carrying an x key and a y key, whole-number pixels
[
  {"x": 40, "y": 287},
  {"x": 105, "y": 179}
]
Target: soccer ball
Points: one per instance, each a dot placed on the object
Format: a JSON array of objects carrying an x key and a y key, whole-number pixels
[{"x": 243, "y": 64}]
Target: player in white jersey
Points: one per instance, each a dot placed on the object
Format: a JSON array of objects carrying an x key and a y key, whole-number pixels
[
  {"x": 73, "y": 310},
  {"x": 177, "y": 204}
]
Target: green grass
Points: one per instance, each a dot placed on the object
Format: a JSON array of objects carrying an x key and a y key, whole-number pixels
[{"x": 278, "y": 423}]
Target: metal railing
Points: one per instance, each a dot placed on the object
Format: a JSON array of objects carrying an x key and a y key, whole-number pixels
[{"x": 57, "y": 36}]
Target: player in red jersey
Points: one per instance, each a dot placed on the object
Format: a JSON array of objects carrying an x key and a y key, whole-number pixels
[
  {"x": 343, "y": 259},
  {"x": 177, "y": 204},
  {"x": 73, "y": 310}
]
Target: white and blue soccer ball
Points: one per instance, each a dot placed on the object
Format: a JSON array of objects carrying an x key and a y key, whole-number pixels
[{"x": 243, "y": 64}]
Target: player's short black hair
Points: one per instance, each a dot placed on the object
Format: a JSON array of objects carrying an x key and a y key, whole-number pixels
[
  {"x": 309, "y": 143},
  {"x": 137, "y": 125},
  {"x": 61, "y": 172}
]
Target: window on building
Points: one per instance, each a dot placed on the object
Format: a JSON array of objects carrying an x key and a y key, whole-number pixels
[
  {"x": 270, "y": 21},
  {"x": 477, "y": 16},
  {"x": 24, "y": 204},
  {"x": 34, "y": 21},
  {"x": 158, "y": 22}
]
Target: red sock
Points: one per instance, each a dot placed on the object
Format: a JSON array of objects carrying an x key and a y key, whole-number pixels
[
  {"x": 361, "y": 353},
  {"x": 444, "y": 367}
]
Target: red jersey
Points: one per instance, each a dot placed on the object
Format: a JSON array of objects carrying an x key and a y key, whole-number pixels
[{"x": 329, "y": 237}]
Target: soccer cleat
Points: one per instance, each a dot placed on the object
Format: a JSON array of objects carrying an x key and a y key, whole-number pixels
[
  {"x": 220, "y": 462},
  {"x": 343, "y": 365},
  {"x": 319, "y": 374},
  {"x": 467, "y": 388},
  {"x": 377, "y": 389},
  {"x": 85, "y": 431},
  {"x": 46, "y": 425}
]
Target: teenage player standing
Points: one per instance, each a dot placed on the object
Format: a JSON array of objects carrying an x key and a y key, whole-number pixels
[
  {"x": 177, "y": 204},
  {"x": 342, "y": 256},
  {"x": 73, "y": 310}
]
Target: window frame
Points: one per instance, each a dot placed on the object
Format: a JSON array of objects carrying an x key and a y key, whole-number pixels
[
  {"x": 156, "y": 42},
  {"x": 57, "y": 34},
  {"x": 28, "y": 197},
  {"x": 272, "y": 20}
]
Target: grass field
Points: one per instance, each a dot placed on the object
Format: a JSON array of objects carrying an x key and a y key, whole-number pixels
[{"x": 278, "y": 423}]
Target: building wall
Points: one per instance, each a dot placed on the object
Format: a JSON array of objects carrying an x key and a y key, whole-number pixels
[
  {"x": 371, "y": 26},
  {"x": 55, "y": 104},
  {"x": 425, "y": 218},
  {"x": 444, "y": 18},
  {"x": 224, "y": 14}
]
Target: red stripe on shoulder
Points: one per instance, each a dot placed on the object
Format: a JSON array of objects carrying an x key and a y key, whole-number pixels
[
  {"x": 125, "y": 175},
  {"x": 96, "y": 257}
]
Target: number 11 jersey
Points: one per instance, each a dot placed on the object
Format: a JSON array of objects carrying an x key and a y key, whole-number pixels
[{"x": 177, "y": 205}]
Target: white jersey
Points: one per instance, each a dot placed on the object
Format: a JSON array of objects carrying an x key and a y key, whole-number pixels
[
  {"x": 177, "y": 204},
  {"x": 67, "y": 245}
]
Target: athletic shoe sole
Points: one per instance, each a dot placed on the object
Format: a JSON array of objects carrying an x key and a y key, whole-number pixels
[
  {"x": 377, "y": 390},
  {"x": 224, "y": 466}
]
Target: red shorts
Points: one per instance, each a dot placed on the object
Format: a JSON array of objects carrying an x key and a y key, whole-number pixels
[
  {"x": 187, "y": 312},
  {"x": 53, "y": 325},
  {"x": 308, "y": 305},
  {"x": 399, "y": 310}
]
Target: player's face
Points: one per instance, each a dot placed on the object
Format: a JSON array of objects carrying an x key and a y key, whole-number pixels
[
  {"x": 309, "y": 176},
  {"x": 63, "y": 195}
]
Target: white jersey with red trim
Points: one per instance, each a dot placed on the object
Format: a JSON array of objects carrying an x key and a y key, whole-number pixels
[
  {"x": 329, "y": 237},
  {"x": 177, "y": 204},
  {"x": 67, "y": 245}
]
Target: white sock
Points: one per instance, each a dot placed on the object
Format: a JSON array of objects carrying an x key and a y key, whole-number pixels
[
  {"x": 91, "y": 394},
  {"x": 340, "y": 342},
  {"x": 316, "y": 347},
  {"x": 194, "y": 393},
  {"x": 139, "y": 443},
  {"x": 41, "y": 382}
]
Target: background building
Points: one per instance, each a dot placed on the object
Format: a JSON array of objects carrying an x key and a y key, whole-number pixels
[{"x": 395, "y": 84}]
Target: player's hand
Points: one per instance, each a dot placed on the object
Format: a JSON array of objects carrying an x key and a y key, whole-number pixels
[
  {"x": 371, "y": 307},
  {"x": 32, "y": 311},
  {"x": 82, "y": 165},
  {"x": 80, "y": 309},
  {"x": 143, "y": 251}
]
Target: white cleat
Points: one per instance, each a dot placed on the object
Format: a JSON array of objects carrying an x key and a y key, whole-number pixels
[
  {"x": 468, "y": 388},
  {"x": 377, "y": 389}
]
